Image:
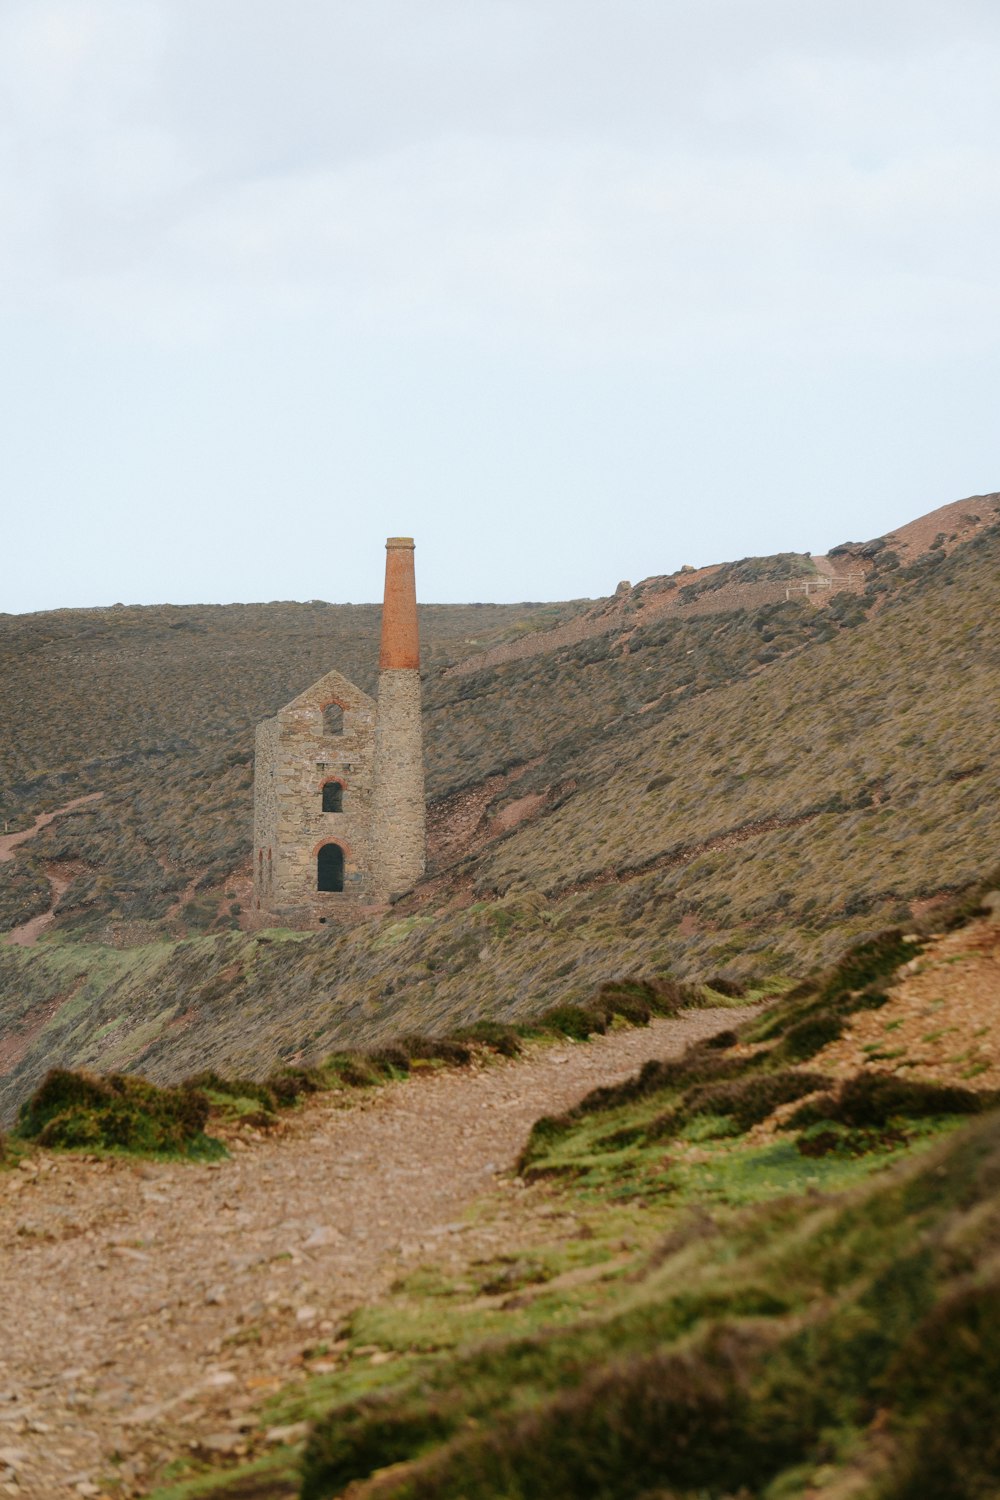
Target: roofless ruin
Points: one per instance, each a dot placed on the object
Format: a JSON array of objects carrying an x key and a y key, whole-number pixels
[{"x": 339, "y": 780}]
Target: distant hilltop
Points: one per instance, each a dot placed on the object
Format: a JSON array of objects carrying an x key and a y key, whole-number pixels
[{"x": 753, "y": 581}]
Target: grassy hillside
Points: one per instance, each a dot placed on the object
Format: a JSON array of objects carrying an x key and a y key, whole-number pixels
[
  {"x": 738, "y": 793},
  {"x": 765, "y": 1347},
  {"x": 156, "y": 708},
  {"x": 869, "y": 750},
  {"x": 739, "y": 1275}
]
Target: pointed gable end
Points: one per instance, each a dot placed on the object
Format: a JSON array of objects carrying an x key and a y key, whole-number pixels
[{"x": 333, "y": 688}]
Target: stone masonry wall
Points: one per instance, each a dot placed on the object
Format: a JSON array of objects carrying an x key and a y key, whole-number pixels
[
  {"x": 399, "y": 803},
  {"x": 265, "y": 812},
  {"x": 294, "y": 760}
]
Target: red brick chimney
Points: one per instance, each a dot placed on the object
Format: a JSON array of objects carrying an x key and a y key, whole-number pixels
[{"x": 400, "y": 636}]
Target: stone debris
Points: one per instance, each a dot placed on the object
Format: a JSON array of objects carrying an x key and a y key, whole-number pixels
[
  {"x": 172, "y": 1348},
  {"x": 294, "y": 1432},
  {"x": 323, "y": 1236}
]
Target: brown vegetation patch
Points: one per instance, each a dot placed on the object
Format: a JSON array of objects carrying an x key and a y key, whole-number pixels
[
  {"x": 458, "y": 824},
  {"x": 941, "y": 1022},
  {"x": 60, "y": 875},
  {"x": 18, "y": 1039},
  {"x": 953, "y": 524},
  {"x": 518, "y": 811},
  {"x": 9, "y": 842}
]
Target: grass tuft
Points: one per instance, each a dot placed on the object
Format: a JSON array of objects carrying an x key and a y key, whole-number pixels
[
  {"x": 872, "y": 1099},
  {"x": 80, "y": 1111},
  {"x": 746, "y": 1101}
]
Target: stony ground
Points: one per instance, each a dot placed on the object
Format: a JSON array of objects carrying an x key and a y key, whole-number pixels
[
  {"x": 942, "y": 1022},
  {"x": 150, "y": 1307}
]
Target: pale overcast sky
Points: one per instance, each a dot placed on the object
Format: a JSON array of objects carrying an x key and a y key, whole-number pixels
[{"x": 570, "y": 290}]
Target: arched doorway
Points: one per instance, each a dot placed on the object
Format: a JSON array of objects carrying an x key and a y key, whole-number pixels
[{"x": 330, "y": 868}]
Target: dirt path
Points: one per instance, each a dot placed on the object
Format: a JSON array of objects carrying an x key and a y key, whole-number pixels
[
  {"x": 25, "y": 936},
  {"x": 59, "y": 880},
  {"x": 942, "y": 1020},
  {"x": 10, "y": 841},
  {"x": 128, "y": 1287}
]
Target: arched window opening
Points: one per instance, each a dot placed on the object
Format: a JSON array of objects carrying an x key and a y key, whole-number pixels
[
  {"x": 333, "y": 797},
  {"x": 333, "y": 719},
  {"x": 330, "y": 868}
]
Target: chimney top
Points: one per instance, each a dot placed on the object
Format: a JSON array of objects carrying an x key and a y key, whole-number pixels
[{"x": 400, "y": 648}]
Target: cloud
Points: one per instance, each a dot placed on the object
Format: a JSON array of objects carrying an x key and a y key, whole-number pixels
[
  {"x": 583, "y": 252},
  {"x": 588, "y": 179},
  {"x": 76, "y": 64}
]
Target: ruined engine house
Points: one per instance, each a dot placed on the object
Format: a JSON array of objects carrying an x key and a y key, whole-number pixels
[{"x": 339, "y": 812}]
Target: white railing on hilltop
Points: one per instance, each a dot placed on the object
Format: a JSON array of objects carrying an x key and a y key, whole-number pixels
[{"x": 823, "y": 584}]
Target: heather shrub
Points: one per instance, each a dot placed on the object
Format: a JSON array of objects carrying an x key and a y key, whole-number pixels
[
  {"x": 371, "y": 1435},
  {"x": 354, "y": 1070},
  {"x": 575, "y": 1021},
  {"x": 746, "y": 1101},
  {"x": 495, "y": 1035},
  {"x": 289, "y": 1084},
  {"x": 223, "y": 1090},
  {"x": 721, "y": 1041},
  {"x": 444, "y": 1049},
  {"x": 944, "y": 1384},
  {"x": 118, "y": 1112},
  {"x": 733, "y": 989},
  {"x": 630, "y": 999},
  {"x": 387, "y": 1059},
  {"x": 807, "y": 1037},
  {"x": 872, "y": 1099}
]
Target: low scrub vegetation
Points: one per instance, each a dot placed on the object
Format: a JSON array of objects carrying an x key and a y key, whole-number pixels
[
  {"x": 842, "y": 1334},
  {"x": 727, "y": 1085},
  {"x": 83, "y": 1112},
  {"x": 783, "y": 1314}
]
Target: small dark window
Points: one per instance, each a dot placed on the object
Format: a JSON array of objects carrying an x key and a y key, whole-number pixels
[
  {"x": 333, "y": 797},
  {"x": 333, "y": 719},
  {"x": 330, "y": 868}
]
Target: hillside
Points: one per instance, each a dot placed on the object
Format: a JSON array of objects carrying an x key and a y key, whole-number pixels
[
  {"x": 156, "y": 708},
  {"x": 762, "y": 1265},
  {"x": 683, "y": 779}
]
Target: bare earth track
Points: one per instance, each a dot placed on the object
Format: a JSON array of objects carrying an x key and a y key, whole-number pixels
[
  {"x": 128, "y": 1287},
  {"x": 59, "y": 879}
]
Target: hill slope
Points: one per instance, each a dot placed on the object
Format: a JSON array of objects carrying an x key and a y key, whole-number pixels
[
  {"x": 156, "y": 708},
  {"x": 742, "y": 790},
  {"x": 766, "y": 1264}
]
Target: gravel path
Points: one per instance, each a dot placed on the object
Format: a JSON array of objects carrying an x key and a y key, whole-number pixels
[{"x": 128, "y": 1287}]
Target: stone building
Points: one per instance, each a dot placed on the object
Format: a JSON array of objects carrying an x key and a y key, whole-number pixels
[{"x": 339, "y": 780}]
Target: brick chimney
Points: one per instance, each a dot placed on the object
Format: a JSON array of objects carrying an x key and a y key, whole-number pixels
[
  {"x": 398, "y": 790},
  {"x": 400, "y": 650}
]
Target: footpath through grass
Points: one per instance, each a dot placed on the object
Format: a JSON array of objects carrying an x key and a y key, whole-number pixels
[
  {"x": 804, "y": 1311},
  {"x": 125, "y": 1113}
]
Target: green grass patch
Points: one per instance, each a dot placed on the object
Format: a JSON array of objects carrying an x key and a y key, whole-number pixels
[
  {"x": 769, "y": 1292},
  {"x": 767, "y": 1334}
]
